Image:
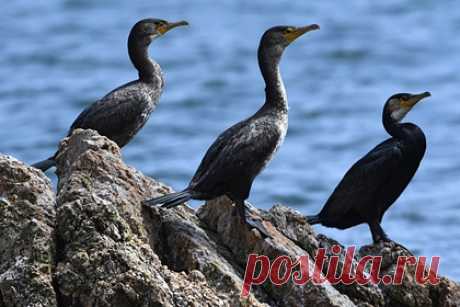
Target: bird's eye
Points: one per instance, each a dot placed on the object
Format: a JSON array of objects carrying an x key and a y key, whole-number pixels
[
  {"x": 405, "y": 98},
  {"x": 288, "y": 30}
]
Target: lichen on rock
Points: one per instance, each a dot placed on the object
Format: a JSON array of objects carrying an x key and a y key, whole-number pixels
[{"x": 27, "y": 251}]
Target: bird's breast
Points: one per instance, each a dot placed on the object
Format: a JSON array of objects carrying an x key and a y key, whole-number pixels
[{"x": 271, "y": 133}]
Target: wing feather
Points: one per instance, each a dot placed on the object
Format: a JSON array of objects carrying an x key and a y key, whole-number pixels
[
  {"x": 119, "y": 114},
  {"x": 363, "y": 180},
  {"x": 238, "y": 154}
]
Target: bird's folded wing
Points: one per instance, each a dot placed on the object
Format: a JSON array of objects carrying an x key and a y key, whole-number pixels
[
  {"x": 112, "y": 114},
  {"x": 235, "y": 153},
  {"x": 364, "y": 179}
]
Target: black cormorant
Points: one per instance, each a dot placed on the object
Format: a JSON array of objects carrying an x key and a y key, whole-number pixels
[
  {"x": 374, "y": 183},
  {"x": 120, "y": 114},
  {"x": 239, "y": 154}
]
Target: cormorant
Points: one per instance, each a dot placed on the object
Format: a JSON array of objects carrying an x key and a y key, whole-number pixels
[
  {"x": 239, "y": 154},
  {"x": 120, "y": 114},
  {"x": 374, "y": 183}
]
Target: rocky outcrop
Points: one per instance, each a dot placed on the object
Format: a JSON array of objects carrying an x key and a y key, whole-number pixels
[
  {"x": 105, "y": 255},
  {"x": 27, "y": 250},
  {"x": 96, "y": 245}
]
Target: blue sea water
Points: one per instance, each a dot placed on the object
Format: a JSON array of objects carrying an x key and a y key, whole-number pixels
[{"x": 58, "y": 56}]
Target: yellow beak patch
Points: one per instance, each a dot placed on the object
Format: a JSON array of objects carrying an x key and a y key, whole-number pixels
[{"x": 296, "y": 32}]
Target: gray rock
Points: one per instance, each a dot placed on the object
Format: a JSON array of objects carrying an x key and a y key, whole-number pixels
[
  {"x": 105, "y": 249},
  {"x": 410, "y": 293},
  {"x": 101, "y": 247},
  {"x": 295, "y": 226},
  {"x": 27, "y": 251},
  {"x": 219, "y": 216}
]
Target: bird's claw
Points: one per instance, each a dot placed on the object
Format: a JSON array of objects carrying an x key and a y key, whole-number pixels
[{"x": 245, "y": 211}]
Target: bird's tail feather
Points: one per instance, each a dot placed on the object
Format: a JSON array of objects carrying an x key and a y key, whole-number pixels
[
  {"x": 45, "y": 164},
  {"x": 313, "y": 219},
  {"x": 169, "y": 200}
]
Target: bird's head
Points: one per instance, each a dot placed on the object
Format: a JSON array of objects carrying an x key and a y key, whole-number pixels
[
  {"x": 276, "y": 39},
  {"x": 146, "y": 30},
  {"x": 398, "y": 105}
]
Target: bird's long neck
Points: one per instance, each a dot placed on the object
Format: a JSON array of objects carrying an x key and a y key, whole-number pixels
[
  {"x": 274, "y": 87},
  {"x": 393, "y": 127},
  {"x": 149, "y": 70}
]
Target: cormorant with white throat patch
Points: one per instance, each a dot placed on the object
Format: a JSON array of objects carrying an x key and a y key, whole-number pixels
[
  {"x": 374, "y": 183},
  {"x": 240, "y": 153}
]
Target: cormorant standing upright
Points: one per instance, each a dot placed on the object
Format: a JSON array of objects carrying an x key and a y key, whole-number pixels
[
  {"x": 374, "y": 183},
  {"x": 239, "y": 154},
  {"x": 120, "y": 114}
]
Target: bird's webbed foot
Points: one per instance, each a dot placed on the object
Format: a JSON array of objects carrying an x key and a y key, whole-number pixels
[
  {"x": 378, "y": 235},
  {"x": 245, "y": 212}
]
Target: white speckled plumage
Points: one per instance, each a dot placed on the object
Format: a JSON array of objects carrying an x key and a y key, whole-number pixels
[{"x": 241, "y": 152}]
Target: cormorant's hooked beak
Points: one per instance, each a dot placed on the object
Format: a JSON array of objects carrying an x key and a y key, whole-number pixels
[
  {"x": 292, "y": 36},
  {"x": 414, "y": 99},
  {"x": 171, "y": 25}
]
